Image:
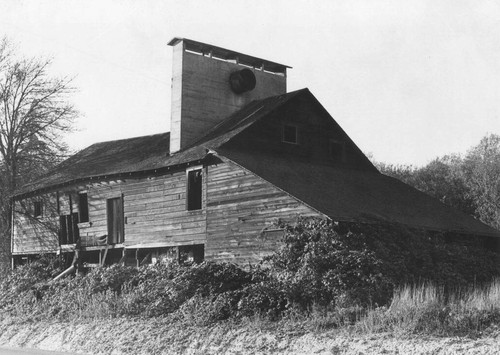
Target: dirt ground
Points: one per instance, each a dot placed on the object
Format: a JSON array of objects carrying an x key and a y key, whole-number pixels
[{"x": 125, "y": 336}]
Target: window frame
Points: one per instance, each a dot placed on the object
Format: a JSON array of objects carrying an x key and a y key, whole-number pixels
[
  {"x": 115, "y": 220},
  {"x": 188, "y": 190},
  {"x": 86, "y": 209},
  {"x": 38, "y": 209}
]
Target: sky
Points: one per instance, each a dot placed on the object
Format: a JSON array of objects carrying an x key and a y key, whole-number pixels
[{"x": 407, "y": 80}]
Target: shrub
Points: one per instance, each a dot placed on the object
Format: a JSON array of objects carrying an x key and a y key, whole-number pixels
[
  {"x": 322, "y": 268},
  {"x": 267, "y": 299},
  {"x": 16, "y": 284},
  {"x": 320, "y": 264}
]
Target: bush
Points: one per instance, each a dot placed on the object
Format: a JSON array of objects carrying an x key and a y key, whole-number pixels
[
  {"x": 321, "y": 264},
  {"x": 16, "y": 284},
  {"x": 322, "y": 268}
]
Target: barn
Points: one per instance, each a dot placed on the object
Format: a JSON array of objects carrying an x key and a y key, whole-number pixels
[{"x": 242, "y": 154}]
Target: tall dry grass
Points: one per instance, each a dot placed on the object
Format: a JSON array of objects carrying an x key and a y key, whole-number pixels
[{"x": 430, "y": 309}]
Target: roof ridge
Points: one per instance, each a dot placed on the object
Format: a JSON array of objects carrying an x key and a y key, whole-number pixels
[
  {"x": 126, "y": 139},
  {"x": 286, "y": 96}
]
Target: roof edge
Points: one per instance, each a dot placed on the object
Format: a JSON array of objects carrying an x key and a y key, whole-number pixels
[
  {"x": 224, "y": 53},
  {"x": 97, "y": 178}
]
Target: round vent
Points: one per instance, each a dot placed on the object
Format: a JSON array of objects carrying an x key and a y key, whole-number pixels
[{"x": 242, "y": 80}]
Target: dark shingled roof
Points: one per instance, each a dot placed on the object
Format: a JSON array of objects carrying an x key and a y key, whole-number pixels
[
  {"x": 148, "y": 153},
  {"x": 358, "y": 196}
]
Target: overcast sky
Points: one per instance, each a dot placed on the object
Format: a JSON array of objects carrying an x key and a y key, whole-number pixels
[{"x": 407, "y": 80}]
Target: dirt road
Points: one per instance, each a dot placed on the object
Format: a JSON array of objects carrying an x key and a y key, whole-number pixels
[{"x": 24, "y": 351}]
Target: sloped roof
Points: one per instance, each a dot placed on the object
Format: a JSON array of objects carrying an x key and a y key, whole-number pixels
[
  {"x": 342, "y": 194},
  {"x": 148, "y": 153},
  {"x": 358, "y": 196}
]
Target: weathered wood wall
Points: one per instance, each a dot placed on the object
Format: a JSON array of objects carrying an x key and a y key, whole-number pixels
[
  {"x": 154, "y": 210},
  {"x": 202, "y": 97},
  {"x": 315, "y": 130},
  {"x": 242, "y": 210},
  {"x": 35, "y": 234},
  {"x": 236, "y": 223}
]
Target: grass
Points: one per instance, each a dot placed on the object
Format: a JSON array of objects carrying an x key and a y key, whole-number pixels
[
  {"x": 89, "y": 318},
  {"x": 210, "y": 294},
  {"x": 428, "y": 309}
]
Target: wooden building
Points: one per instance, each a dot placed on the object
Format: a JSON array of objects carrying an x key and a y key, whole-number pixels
[{"x": 241, "y": 155}]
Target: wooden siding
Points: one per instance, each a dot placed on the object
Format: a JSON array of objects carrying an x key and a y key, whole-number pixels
[
  {"x": 35, "y": 234},
  {"x": 202, "y": 97},
  {"x": 315, "y": 130},
  {"x": 154, "y": 210},
  {"x": 242, "y": 210},
  {"x": 236, "y": 223}
]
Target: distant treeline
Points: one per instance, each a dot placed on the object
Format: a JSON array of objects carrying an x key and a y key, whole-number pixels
[{"x": 470, "y": 183}]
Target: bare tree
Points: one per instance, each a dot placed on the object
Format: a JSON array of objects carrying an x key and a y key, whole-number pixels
[{"x": 34, "y": 114}]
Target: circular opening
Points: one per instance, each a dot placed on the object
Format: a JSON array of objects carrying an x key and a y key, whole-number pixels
[{"x": 242, "y": 80}]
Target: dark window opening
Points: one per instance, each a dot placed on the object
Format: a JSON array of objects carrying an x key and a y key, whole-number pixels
[
  {"x": 83, "y": 207},
  {"x": 37, "y": 209},
  {"x": 189, "y": 254},
  {"x": 194, "y": 190},
  {"x": 115, "y": 220},
  {"x": 68, "y": 229},
  {"x": 337, "y": 151},
  {"x": 290, "y": 134},
  {"x": 164, "y": 255}
]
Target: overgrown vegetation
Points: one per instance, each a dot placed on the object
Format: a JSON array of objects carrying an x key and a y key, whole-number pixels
[
  {"x": 329, "y": 275},
  {"x": 429, "y": 309}
]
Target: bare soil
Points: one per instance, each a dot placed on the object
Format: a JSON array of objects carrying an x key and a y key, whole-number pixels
[{"x": 159, "y": 336}]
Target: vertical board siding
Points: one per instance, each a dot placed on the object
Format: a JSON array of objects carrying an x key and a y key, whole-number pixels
[
  {"x": 202, "y": 96},
  {"x": 242, "y": 210}
]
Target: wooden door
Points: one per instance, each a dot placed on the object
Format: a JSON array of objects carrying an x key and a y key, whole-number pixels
[{"x": 115, "y": 220}]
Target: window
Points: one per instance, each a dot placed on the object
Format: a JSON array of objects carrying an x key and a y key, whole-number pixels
[
  {"x": 194, "y": 189},
  {"x": 115, "y": 220},
  {"x": 37, "y": 209},
  {"x": 68, "y": 229},
  {"x": 83, "y": 207},
  {"x": 189, "y": 254},
  {"x": 290, "y": 134},
  {"x": 337, "y": 151}
]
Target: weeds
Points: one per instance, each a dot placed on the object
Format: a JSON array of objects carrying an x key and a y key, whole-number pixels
[
  {"x": 427, "y": 309},
  {"x": 324, "y": 277}
]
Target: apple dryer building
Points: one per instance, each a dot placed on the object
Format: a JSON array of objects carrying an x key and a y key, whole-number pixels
[{"x": 242, "y": 154}]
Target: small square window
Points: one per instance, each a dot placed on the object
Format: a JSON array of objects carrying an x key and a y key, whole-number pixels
[
  {"x": 290, "y": 134},
  {"x": 37, "y": 209}
]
